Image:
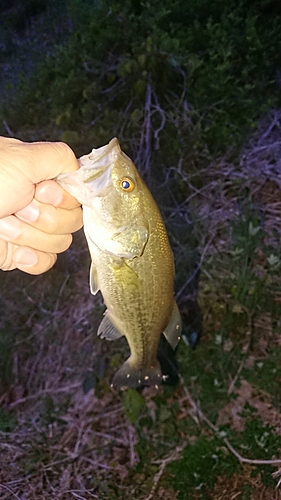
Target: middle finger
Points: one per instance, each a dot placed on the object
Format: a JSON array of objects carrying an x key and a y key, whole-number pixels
[
  {"x": 50, "y": 219},
  {"x": 13, "y": 230}
]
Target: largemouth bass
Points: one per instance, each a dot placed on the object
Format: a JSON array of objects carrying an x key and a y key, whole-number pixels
[{"x": 132, "y": 261}]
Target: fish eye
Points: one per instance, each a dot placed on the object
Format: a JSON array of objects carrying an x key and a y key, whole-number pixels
[{"x": 127, "y": 184}]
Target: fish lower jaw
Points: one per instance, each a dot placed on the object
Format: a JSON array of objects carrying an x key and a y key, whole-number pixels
[{"x": 129, "y": 377}]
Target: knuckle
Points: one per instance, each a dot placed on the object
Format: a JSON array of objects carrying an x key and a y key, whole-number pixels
[
  {"x": 50, "y": 221},
  {"x": 65, "y": 151}
]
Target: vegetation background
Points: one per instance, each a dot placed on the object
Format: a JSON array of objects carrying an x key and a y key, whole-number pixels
[{"x": 192, "y": 91}]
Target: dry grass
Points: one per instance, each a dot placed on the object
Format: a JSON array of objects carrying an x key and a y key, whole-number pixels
[{"x": 256, "y": 173}]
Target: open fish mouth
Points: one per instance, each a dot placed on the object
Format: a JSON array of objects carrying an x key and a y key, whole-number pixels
[
  {"x": 101, "y": 156},
  {"x": 94, "y": 176}
]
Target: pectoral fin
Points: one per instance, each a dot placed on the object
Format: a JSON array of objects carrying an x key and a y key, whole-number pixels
[
  {"x": 107, "y": 330},
  {"x": 173, "y": 330},
  {"x": 94, "y": 287},
  {"x": 126, "y": 278}
]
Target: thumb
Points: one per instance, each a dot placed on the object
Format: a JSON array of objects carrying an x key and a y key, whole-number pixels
[
  {"x": 48, "y": 159},
  {"x": 23, "y": 165}
]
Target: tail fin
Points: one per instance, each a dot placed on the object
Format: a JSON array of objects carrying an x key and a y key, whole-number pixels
[
  {"x": 129, "y": 377},
  {"x": 167, "y": 358}
]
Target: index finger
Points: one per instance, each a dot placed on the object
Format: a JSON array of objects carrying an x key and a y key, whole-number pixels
[{"x": 51, "y": 193}]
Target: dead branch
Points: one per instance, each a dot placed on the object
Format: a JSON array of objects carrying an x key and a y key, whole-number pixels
[
  {"x": 45, "y": 392},
  {"x": 175, "y": 455},
  {"x": 196, "y": 414}
]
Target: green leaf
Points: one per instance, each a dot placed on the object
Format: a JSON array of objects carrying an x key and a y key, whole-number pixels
[{"x": 134, "y": 405}]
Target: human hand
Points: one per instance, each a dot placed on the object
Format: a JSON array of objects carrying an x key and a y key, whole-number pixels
[{"x": 37, "y": 216}]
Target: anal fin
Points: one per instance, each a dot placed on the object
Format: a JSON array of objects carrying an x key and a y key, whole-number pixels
[
  {"x": 107, "y": 330},
  {"x": 173, "y": 330}
]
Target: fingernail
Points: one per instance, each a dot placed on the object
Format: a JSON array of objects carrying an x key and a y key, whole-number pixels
[
  {"x": 9, "y": 228},
  {"x": 50, "y": 194},
  {"x": 30, "y": 213},
  {"x": 25, "y": 257}
]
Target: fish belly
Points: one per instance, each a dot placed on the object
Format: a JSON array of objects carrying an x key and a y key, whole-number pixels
[{"x": 139, "y": 297}]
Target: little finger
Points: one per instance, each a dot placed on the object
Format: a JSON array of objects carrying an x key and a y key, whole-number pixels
[{"x": 33, "y": 261}]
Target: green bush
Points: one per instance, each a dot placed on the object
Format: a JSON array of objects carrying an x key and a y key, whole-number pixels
[{"x": 183, "y": 72}]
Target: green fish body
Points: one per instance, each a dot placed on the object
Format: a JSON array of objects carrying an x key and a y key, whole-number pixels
[{"x": 132, "y": 261}]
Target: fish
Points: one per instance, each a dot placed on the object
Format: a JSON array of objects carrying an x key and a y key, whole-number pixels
[{"x": 132, "y": 263}]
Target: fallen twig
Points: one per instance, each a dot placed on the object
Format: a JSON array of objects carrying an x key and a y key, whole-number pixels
[
  {"x": 9, "y": 491},
  {"x": 199, "y": 414},
  {"x": 175, "y": 455},
  {"x": 45, "y": 392}
]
